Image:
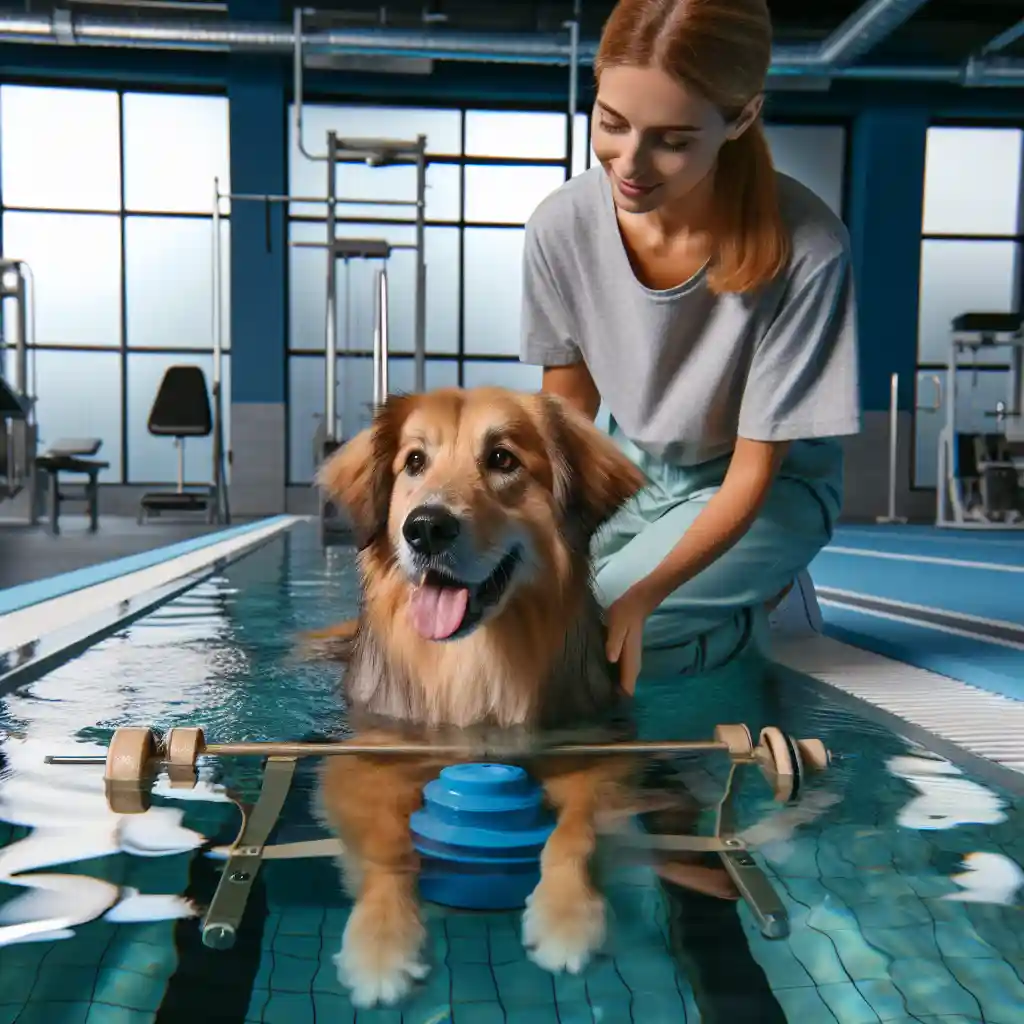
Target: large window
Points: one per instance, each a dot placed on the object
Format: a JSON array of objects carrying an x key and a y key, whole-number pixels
[
  {"x": 107, "y": 196},
  {"x": 488, "y": 170},
  {"x": 971, "y": 247}
]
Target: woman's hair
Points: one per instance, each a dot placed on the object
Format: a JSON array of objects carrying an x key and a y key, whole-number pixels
[{"x": 722, "y": 49}]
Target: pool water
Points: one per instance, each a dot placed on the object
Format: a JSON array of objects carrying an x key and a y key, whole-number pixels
[{"x": 899, "y": 871}]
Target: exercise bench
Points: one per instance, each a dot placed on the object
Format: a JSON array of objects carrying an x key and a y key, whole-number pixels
[
  {"x": 181, "y": 409},
  {"x": 75, "y": 457}
]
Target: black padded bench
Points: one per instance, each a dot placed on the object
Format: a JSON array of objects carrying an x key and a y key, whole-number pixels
[
  {"x": 181, "y": 409},
  {"x": 73, "y": 457}
]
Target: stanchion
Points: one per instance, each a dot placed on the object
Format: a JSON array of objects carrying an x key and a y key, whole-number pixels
[{"x": 894, "y": 437}]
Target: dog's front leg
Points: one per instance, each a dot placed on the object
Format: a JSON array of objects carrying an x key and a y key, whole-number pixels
[
  {"x": 369, "y": 804},
  {"x": 564, "y": 921}
]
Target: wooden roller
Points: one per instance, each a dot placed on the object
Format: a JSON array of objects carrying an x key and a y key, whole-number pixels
[{"x": 130, "y": 756}]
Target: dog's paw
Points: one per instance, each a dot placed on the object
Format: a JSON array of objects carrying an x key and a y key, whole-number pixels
[
  {"x": 561, "y": 932},
  {"x": 380, "y": 960}
]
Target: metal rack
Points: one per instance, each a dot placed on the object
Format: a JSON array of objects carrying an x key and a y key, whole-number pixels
[
  {"x": 18, "y": 428},
  {"x": 341, "y": 150},
  {"x": 973, "y": 332}
]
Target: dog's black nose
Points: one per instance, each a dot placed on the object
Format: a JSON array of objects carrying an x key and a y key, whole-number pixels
[{"x": 430, "y": 529}]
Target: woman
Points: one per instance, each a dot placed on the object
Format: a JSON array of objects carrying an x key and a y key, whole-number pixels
[{"x": 707, "y": 301}]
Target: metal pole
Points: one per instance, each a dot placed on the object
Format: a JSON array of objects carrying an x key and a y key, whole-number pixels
[
  {"x": 420, "y": 311},
  {"x": 22, "y": 346},
  {"x": 331, "y": 343},
  {"x": 894, "y": 434},
  {"x": 574, "y": 78},
  {"x": 380, "y": 340},
  {"x": 221, "y": 513},
  {"x": 297, "y": 84},
  {"x": 217, "y": 297}
]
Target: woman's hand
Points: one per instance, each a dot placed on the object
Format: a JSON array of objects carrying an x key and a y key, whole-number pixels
[{"x": 624, "y": 622}]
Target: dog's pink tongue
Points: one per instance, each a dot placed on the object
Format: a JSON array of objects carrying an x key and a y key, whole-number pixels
[{"x": 437, "y": 612}]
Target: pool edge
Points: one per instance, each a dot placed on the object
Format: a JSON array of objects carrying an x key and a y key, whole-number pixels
[
  {"x": 117, "y": 598},
  {"x": 961, "y": 721}
]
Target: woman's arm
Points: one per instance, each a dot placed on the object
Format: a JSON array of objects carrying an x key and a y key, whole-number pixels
[
  {"x": 574, "y": 384},
  {"x": 723, "y": 521}
]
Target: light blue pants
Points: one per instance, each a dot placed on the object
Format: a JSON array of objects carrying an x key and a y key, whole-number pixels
[{"x": 714, "y": 617}]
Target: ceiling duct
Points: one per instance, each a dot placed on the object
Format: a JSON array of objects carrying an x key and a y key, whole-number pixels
[
  {"x": 832, "y": 59},
  {"x": 861, "y": 32},
  {"x": 1005, "y": 39}
]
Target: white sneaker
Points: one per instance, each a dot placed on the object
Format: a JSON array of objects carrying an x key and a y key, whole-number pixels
[{"x": 798, "y": 612}]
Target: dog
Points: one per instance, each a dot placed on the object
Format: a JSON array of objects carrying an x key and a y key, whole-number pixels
[{"x": 474, "y": 512}]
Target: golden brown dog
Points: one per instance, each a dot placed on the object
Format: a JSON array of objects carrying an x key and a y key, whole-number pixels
[{"x": 474, "y": 512}]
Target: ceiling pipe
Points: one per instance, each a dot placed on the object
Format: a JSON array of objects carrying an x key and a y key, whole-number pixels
[
  {"x": 66, "y": 29},
  {"x": 1005, "y": 39},
  {"x": 860, "y": 32}
]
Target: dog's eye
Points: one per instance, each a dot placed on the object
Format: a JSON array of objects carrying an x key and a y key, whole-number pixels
[
  {"x": 501, "y": 460},
  {"x": 415, "y": 463}
]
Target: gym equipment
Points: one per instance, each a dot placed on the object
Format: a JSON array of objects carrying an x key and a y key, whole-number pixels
[
  {"x": 375, "y": 153},
  {"x": 18, "y": 427},
  {"x": 890, "y": 517},
  {"x": 180, "y": 410},
  {"x": 136, "y": 755},
  {"x": 74, "y": 456},
  {"x": 479, "y": 835},
  {"x": 979, "y": 482},
  {"x": 20, "y": 463}
]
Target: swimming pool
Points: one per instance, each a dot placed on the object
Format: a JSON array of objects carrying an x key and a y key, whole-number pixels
[{"x": 899, "y": 871}]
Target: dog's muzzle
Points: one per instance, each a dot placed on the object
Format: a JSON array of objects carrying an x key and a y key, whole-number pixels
[{"x": 443, "y": 605}]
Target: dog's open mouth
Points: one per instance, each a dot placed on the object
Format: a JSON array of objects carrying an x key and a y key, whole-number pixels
[{"x": 444, "y": 608}]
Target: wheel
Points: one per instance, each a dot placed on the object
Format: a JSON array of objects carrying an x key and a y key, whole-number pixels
[
  {"x": 814, "y": 754},
  {"x": 182, "y": 746},
  {"x": 737, "y": 738},
  {"x": 129, "y": 754},
  {"x": 128, "y": 797},
  {"x": 784, "y": 763}
]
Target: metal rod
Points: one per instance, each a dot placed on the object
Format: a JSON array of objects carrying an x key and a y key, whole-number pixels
[
  {"x": 894, "y": 433},
  {"x": 574, "y": 78},
  {"x": 418, "y": 749},
  {"x": 222, "y": 506},
  {"x": 297, "y": 40},
  {"x": 299, "y": 244},
  {"x": 21, "y": 350},
  {"x": 331, "y": 341},
  {"x": 420, "y": 282},
  {"x": 380, "y": 340},
  {"x": 1005, "y": 39},
  {"x": 217, "y": 286},
  {"x": 260, "y": 197}
]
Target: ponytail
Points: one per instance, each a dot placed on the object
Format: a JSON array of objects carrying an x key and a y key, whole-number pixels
[{"x": 752, "y": 244}]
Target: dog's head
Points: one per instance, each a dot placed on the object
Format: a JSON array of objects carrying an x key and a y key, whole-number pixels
[{"x": 478, "y": 497}]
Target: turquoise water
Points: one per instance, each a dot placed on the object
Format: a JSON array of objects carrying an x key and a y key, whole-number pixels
[{"x": 899, "y": 871}]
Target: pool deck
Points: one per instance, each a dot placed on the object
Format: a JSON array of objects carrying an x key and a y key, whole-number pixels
[{"x": 28, "y": 554}]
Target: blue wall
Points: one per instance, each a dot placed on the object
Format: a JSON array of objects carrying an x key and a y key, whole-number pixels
[
  {"x": 885, "y": 197},
  {"x": 259, "y": 240}
]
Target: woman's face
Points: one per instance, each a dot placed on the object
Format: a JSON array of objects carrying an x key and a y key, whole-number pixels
[{"x": 656, "y": 138}]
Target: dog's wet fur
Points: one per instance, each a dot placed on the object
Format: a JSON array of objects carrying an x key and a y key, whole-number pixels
[{"x": 474, "y": 512}]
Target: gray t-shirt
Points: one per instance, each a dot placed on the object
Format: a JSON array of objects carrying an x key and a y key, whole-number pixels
[{"x": 683, "y": 371}]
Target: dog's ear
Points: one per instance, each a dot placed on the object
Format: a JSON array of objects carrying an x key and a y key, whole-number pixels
[
  {"x": 359, "y": 475},
  {"x": 596, "y": 476}
]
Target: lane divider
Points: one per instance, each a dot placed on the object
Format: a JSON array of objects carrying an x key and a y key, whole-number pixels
[
  {"x": 989, "y": 727},
  {"x": 112, "y": 584},
  {"x": 976, "y": 627},
  {"x": 893, "y": 556}
]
